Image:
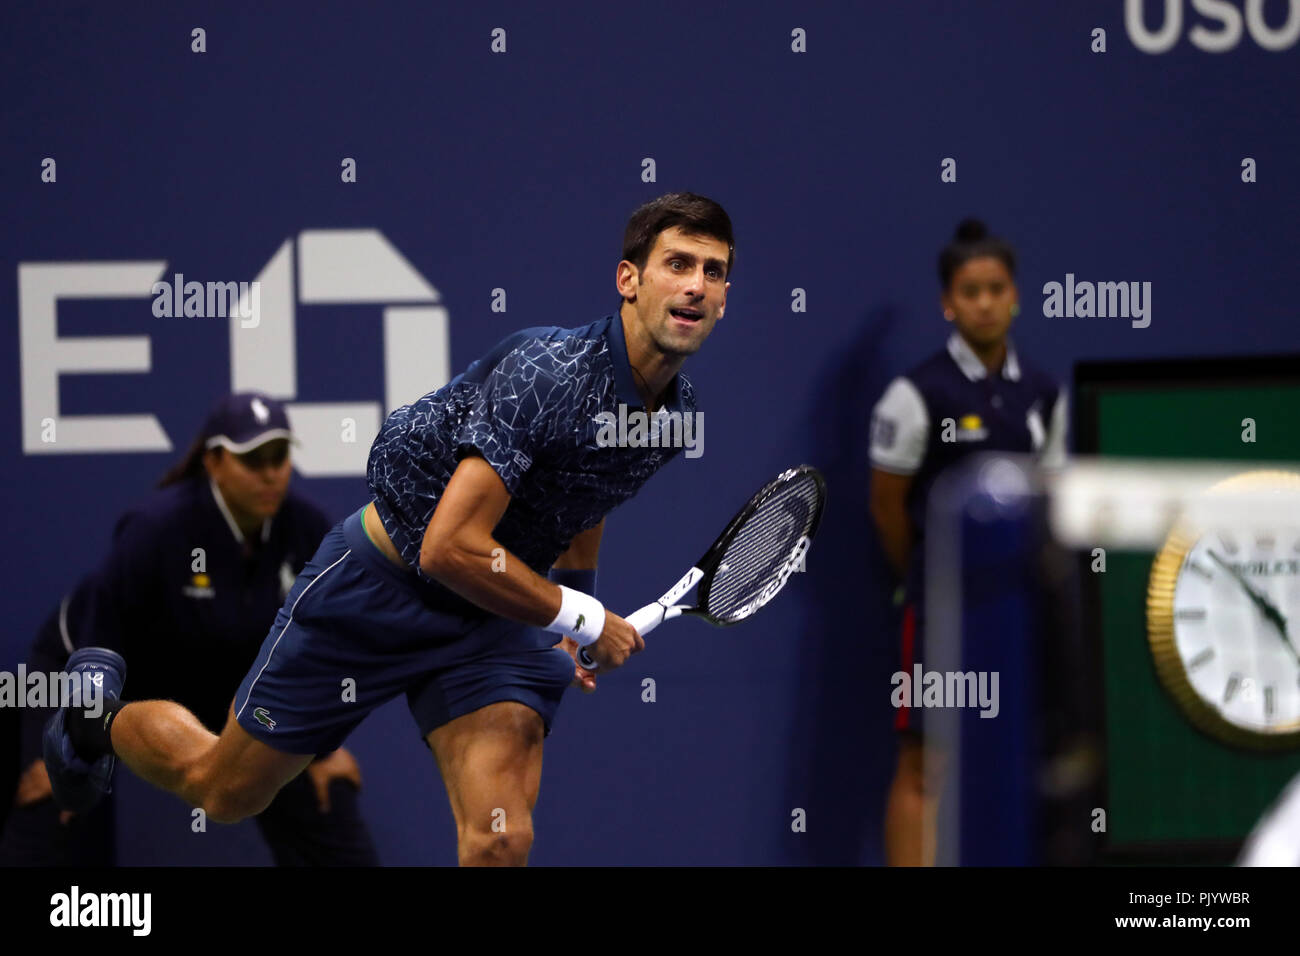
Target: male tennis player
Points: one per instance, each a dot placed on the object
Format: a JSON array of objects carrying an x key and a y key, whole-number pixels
[{"x": 436, "y": 587}]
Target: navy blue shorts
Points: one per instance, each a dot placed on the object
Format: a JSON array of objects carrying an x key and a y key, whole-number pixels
[{"x": 356, "y": 630}]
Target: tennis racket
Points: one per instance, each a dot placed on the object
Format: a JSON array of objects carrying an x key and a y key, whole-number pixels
[{"x": 751, "y": 560}]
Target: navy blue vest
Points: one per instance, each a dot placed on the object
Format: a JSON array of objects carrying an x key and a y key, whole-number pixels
[{"x": 987, "y": 414}]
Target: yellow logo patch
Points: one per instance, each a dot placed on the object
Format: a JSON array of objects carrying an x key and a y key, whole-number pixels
[
  {"x": 200, "y": 586},
  {"x": 970, "y": 423}
]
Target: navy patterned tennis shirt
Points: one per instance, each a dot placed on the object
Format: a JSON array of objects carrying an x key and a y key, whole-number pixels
[{"x": 529, "y": 408}]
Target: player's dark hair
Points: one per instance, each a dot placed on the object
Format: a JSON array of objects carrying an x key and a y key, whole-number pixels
[
  {"x": 190, "y": 465},
  {"x": 694, "y": 215},
  {"x": 971, "y": 240}
]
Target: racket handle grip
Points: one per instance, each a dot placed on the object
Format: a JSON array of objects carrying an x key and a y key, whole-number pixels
[
  {"x": 646, "y": 619},
  {"x": 643, "y": 621}
]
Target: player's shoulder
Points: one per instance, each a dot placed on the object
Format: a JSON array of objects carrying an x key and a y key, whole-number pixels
[
  {"x": 561, "y": 349},
  {"x": 545, "y": 351},
  {"x": 573, "y": 336}
]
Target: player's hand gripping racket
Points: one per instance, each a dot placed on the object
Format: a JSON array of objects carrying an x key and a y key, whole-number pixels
[{"x": 751, "y": 560}]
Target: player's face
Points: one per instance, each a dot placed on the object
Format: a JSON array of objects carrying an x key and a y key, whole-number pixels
[
  {"x": 253, "y": 484},
  {"x": 682, "y": 291},
  {"x": 980, "y": 300}
]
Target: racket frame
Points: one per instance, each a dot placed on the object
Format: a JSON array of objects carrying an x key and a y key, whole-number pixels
[{"x": 647, "y": 618}]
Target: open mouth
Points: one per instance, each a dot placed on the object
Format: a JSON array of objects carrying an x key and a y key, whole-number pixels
[{"x": 687, "y": 315}]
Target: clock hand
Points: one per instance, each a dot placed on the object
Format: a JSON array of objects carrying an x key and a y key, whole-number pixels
[{"x": 1265, "y": 606}]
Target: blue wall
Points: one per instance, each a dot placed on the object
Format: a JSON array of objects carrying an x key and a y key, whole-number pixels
[{"x": 517, "y": 171}]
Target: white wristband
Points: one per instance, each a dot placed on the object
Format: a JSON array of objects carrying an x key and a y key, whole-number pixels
[{"x": 581, "y": 616}]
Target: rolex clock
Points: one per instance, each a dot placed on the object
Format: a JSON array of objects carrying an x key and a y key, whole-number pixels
[{"x": 1223, "y": 621}]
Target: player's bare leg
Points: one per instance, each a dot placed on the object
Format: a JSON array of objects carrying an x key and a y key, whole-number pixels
[
  {"x": 491, "y": 764},
  {"x": 231, "y": 776},
  {"x": 912, "y": 811}
]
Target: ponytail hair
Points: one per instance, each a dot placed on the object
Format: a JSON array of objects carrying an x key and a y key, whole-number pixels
[
  {"x": 190, "y": 466},
  {"x": 971, "y": 240}
]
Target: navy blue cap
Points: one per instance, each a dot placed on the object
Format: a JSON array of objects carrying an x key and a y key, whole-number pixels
[{"x": 244, "y": 420}]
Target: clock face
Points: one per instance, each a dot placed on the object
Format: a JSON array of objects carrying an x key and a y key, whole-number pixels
[
  {"x": 1223, "y": 619},
  {"x": 1236, "y": 626}
]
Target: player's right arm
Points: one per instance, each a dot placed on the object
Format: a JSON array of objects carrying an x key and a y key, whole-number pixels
[
  {"x": 899, "y": 432},
  {"x": 459, "y": 551}
]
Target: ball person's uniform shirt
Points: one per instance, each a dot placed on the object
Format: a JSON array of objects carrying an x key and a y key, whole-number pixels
[
  {"x": 1021, "y": 409},
  {"x": 182, "y": 592}
]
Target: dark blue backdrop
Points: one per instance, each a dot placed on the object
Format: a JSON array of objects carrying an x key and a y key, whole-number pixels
[{"x": 517, "y": 170}]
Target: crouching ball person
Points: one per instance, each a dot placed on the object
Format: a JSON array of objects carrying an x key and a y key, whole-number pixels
[{"x": 194, "y": 577}]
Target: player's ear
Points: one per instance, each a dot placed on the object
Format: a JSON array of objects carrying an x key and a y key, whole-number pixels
[{"x": 627, "y": 280}]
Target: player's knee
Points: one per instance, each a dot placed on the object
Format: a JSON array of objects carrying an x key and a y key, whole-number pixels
[
  {"x": 505, "y": 847},
  {"x": 233, "y": 804},
  {"x": 229, "y": 801}
]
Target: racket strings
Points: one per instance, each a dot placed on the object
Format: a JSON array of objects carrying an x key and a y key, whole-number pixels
[{"x": 758, "y": 554}]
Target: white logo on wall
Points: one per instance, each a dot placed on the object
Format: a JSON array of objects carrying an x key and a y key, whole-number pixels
[
  {"x": 1219, "y": 29},
  {"x": 334, "y": 266}
]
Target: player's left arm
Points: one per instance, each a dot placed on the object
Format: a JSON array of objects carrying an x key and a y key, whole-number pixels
[{"x": 583, "y": 552}]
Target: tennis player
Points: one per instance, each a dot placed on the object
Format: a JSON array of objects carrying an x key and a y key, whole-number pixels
[
  {"x": 193, "y": 578},
  {"x": 976, "y": 394},
  {"x": 437, "y": 587}
]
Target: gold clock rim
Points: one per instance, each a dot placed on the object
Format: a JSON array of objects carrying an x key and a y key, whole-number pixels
[{"x": 1170, "y": 670}]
